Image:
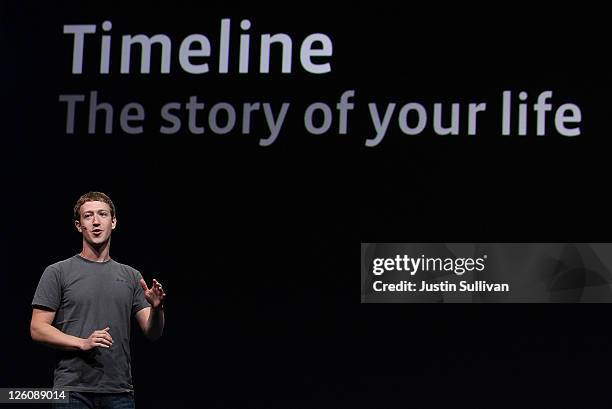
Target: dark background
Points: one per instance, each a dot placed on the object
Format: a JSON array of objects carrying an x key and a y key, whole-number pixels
[{"x": 252, "y": 243}]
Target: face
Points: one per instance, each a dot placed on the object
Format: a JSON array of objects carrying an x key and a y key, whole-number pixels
[{"x": 96, "y": 223}]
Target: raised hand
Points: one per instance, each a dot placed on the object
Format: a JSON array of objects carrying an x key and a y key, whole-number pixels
[{"x": 154, "y": 295}]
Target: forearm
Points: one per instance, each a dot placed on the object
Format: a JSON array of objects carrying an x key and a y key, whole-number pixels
[
  {"x": 155, "y": 325},
  {"x": 53, "y": 337}
]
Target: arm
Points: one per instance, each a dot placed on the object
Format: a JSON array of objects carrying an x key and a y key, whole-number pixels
[
  {"x": 151, "y": 319},
  {"x": 42, "y": 331}
]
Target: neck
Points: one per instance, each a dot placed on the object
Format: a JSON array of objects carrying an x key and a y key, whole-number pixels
[{"x": 98, "y": 253}]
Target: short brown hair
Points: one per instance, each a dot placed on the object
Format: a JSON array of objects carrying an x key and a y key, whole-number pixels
[{"x": 93, "y": 197}]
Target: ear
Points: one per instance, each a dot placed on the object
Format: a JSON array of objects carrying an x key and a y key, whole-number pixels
[
  {"x": 77, "y": 224},
  {"x": 114, "y": 223}
]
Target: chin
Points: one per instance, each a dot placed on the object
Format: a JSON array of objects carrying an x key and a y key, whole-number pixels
[{"x": 98, "y": 241}]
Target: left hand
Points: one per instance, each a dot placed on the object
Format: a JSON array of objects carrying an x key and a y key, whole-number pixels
[{"x": 154, "y": 295}]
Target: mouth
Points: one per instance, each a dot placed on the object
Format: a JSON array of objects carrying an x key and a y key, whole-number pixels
[{"x": 96, "y": 231}]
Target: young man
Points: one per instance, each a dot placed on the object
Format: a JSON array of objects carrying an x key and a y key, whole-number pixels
[{"x": 83, "y": 306}]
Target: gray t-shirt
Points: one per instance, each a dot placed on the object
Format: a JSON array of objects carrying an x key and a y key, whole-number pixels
[{"x": 89, "y": 296}]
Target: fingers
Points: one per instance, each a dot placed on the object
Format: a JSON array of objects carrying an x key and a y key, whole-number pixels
[
  {"x": 98, "y": 340},
  {"x": 157, "y": 287},
  {"x": 102, "y": 336},
  {"x": 107, "y": 336}
]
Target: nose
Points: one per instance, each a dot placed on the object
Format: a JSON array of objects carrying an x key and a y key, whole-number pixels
[{"x": 95, "y": 220}]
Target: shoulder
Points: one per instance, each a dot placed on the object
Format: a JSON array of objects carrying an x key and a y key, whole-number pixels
[
  {"x": 58, "y": 272},
  {"x": 60, "y": 266},
  {"x": 124, "y": 267},
  {"x": 127, "y": 270}
]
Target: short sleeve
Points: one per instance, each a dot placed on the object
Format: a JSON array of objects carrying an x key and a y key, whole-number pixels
[
  {"x": 139, "y": 302},
  {"x": 49, "y": 291}
]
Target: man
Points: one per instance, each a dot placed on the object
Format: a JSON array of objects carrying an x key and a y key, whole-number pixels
[{"x": 83, "y": 306}]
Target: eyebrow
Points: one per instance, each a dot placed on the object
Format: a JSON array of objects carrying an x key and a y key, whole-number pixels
[{"x": 97, "y": 210}]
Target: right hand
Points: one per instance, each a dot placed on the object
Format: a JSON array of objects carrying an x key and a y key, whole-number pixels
[{"x": 99, "y": 338}]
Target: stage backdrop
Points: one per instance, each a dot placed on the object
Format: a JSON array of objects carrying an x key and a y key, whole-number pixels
[{"x": 247, "y": 146}]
